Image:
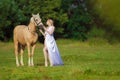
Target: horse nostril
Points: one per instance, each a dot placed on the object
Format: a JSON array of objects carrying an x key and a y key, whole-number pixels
[{"x": 41, "y": 26}]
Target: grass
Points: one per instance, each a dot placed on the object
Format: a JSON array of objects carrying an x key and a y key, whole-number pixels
[{"x": 82, "y": 61}]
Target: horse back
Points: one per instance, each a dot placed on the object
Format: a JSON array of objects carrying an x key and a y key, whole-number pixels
[
  {"x": 23, "y": 35},
  {"x": 19, "y": 34}
]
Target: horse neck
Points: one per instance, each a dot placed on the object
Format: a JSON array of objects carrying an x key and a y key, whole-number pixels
[{"x": 32, "y": 27}]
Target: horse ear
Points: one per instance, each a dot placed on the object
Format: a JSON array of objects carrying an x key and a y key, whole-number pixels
[
  {"x": 32, "y": 14},
  {"x": 38, "y": 14}
]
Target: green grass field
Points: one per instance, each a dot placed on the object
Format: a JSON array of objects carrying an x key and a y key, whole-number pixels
[{"x": 82, "y": 61}]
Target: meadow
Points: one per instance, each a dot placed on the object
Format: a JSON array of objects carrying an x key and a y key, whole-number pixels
[{"x": 82, "y": 61}]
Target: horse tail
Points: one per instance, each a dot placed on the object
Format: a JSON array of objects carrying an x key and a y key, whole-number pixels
[{"x": 16, "y": 43}]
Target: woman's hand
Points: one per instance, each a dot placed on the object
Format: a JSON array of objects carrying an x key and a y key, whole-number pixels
[
  {"x": 40, "y": 30},
  {"x": 44, "y": 28}
]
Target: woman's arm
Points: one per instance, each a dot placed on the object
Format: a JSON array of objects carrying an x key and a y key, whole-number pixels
[
  {"x": 49, "y": 32},
  {"x": 42, "y": 32}
]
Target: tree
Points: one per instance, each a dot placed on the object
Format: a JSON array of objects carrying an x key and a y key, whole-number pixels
[
  {"x": 70, "y": 17},
  {"x": 79, "y": 20},
  {"x": 15, "y": 12}
]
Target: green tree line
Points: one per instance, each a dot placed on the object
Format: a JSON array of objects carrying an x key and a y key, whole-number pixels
[
  {"x": 106, "y": 17},
  {"x": 77, "y": 19},
  {"x": 70, "y": 19}
]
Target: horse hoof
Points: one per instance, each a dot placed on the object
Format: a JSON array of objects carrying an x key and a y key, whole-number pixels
[
  {"x": 46, "y": 65},
  {"x": 29, "y": 65},
  {"x": 17, "y": 65},
  {"x": 22, "y": 64},
  {"x": 32, "y": 65}
]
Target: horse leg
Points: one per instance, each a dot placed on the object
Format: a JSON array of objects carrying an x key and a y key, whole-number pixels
[
  {"x": 33, "y": 48},
  {"x": 29, "y": 55},
  {"x": 16, "y": 53},
  {"x": 21, "y": 53}
]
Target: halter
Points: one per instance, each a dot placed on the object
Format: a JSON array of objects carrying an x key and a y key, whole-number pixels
[{"x": 36, "y": 22}]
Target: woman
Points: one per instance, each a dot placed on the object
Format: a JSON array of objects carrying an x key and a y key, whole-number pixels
[{"x": 50, "y": 49}]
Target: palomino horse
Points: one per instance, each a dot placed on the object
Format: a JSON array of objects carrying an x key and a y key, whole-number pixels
[{"x": 26, "y": 36}]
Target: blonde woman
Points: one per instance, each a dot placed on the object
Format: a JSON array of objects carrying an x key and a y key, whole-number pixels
[{"x": 50, "y": 49}]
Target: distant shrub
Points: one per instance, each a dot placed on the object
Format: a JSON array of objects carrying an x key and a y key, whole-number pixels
[
  {"x": 96, "y": 32},
  {"x": 97, "y": 41},
  {"x": 106, "y": 15},
  {"x": 112, "y": 40}
]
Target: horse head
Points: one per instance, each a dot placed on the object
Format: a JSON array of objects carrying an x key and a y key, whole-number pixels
[{"x": 37, "y": 20}]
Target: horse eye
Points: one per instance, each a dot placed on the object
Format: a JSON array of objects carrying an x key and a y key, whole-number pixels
[{"x": 36, "y": 20}]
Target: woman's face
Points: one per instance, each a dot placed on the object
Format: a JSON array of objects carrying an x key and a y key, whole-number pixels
[{"x": 48, "y": 23}]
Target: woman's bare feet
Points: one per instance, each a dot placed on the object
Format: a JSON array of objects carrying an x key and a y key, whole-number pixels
[
  {"x": 46, "y": 64},
  {"x": 51, "y": 65}
]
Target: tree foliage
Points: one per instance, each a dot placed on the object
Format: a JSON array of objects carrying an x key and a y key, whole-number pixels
[
  {"x": 79, "y": 21},
  {"x": 15, "y": 12},
  {"x": 106, "y": 16},
  {"x": 72, "y": 18}
]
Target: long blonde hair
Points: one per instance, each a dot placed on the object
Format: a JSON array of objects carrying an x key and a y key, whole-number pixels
[{"x": 51, "y": 22}]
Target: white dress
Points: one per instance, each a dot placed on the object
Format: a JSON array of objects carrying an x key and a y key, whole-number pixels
[{"x": 53, "y": 51}]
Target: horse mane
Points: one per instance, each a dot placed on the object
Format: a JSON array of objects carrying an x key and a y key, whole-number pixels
[{"x": 32, "y": 27}]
